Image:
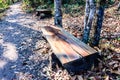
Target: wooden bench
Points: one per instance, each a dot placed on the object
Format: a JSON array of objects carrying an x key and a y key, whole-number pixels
[
  {"x": 73, "y": 54},
  {"x": 46, "y": 12}
]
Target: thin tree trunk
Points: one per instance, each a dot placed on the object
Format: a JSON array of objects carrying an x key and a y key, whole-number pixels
[
  {"x": 58, "y": 13},
  {"x": 118, "y": 6},
  {"x": 88, "y": 24},
  {"x": 87, "y": 11},
  {"x": 100, "y": 14}
]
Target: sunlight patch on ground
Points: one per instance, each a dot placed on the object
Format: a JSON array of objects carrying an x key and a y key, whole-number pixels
[
  {"x": 2, "y": 63},
  {"x": 10, "y": 28},
  {"x": 1, "y": 41},
  {"x": 1, "y": 38},
  {"x": 10, "y": 20},
  {"x": 17, "y": 32},
  {"x": 10, "y": 52},
  {"x": 4, "y": 79}
]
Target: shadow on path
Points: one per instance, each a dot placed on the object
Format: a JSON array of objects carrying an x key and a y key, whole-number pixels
[{"x": 17, "y": 43}]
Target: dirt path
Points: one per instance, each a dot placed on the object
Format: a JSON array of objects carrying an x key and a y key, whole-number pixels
[{"x": 19, "y": 36}]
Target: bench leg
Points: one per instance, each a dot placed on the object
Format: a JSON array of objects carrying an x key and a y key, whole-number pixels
[{"x": 56, "y": 64}]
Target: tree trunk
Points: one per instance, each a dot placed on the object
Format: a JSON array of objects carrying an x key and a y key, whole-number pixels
[
  {"x": 58, "y": 13},
  {"x": 118, "y": 6},
  {"x": 100, "y": 14},
  {"x": 87, "y": 11},
  {"x": 88, "y": 23}
]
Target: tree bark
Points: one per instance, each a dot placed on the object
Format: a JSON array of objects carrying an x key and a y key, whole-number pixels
[
  {"x": 87, "y": 11},
  {"x": 58, "y": 13},
  {"x": 118, "y": 6},
  {"x": 100, "y": 15},
  {"x": 88, "y": 22}
]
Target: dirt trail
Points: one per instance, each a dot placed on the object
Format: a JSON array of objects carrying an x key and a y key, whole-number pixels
[{"x": 19, "y": 37}]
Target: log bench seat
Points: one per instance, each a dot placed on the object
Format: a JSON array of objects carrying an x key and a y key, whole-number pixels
[
  {"x": 43, "y": 12},
  {"x": 73, "y": 54}
]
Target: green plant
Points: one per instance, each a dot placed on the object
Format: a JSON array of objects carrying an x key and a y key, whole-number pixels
[{"x": 3, "y": 5}]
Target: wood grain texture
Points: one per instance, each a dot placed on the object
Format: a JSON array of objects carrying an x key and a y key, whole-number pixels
[{"x": 66, "y": 47}]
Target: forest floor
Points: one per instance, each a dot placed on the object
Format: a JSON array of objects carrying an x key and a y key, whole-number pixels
[{"x": 24, "y": 54}]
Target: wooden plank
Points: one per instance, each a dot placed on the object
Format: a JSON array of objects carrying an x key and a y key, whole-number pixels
[
  {"x": 45, "y": 11},
  {"x": 85, "y": 47},
  {"x": 66, "y": 47},
  {"x": 73, "y": 45},
  {"x": 70, "y": 37},
  {"x": 60, "y": 47},
  {"x": 42, "y": 10}
]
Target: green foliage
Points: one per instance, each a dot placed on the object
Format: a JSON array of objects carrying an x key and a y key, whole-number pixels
[
  {"x": 79, "y": 2},
  {"x": 69, "y": 6},
  {"x": 111, "y": 2},
  {"x": 26, "y": 6},
  {"x": 42, "y": 7},
  {"x": 4, "y": 4},
  {"x": 119, "y": 38},
  {"x": 73, "y": 7},
  {"x": 31, "y": 5},
  {"x": 36, "y": 3},
  {"x": 50, "y": 3},
  {"x": 8, "y": 2}
]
